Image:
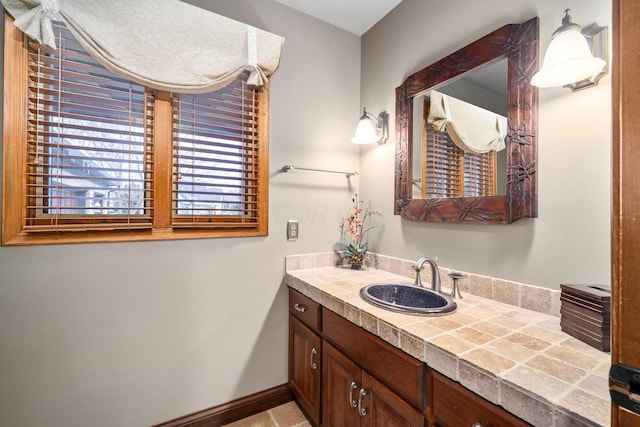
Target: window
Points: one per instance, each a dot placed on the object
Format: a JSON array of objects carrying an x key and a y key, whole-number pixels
[
  {"x": 451, "y": 172},
  {"x": 216, "y": 158},
  {"x": 90, "y": 156}
]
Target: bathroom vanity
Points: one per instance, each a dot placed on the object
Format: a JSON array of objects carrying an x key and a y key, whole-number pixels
[
  {"x": 353, "y": 364},
  {"x": 355, "y": 378}
]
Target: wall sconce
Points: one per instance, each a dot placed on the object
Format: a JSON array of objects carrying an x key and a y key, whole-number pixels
[
  {"x": 576, "y": 57},
  {"x": 372, "y": 129}
]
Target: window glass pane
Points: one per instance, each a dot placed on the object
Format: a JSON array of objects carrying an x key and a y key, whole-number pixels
[
  {"x": 91, "y": 171},
  {"x": 89, "y": 138},
  {"x": 216, "y": 154}
]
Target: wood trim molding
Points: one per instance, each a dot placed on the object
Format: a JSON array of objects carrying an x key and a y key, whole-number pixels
[
  {"x": 234, "y": 410},
  {"x": 14, "y": 129},
  {"x": 625, "y": 232}
]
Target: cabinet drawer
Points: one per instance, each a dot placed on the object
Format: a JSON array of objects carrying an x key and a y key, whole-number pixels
[
  {"x": 305, "y": 309},
  {"x": 400, "y": 372},
  {"x": 454, "y": 405}
]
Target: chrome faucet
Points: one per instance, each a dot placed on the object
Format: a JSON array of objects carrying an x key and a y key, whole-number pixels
[{"x": 435, "y": 273}]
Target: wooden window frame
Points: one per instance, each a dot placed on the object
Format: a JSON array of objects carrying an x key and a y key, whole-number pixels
[{"x": 14, "y": 171}]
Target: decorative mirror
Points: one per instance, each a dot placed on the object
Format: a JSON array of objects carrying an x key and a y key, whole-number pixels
[{"x": 512, "y": 52}]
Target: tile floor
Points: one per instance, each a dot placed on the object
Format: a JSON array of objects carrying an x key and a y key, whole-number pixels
[{"x": 287, "y": 415}]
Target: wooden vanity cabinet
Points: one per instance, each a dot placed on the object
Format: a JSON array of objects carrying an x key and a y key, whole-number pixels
[
  {"x": 343, "y": 376},
  {"x": 305, "y": 357},
  {"x": 366, "y": 381},
  {"x": 452, "y": 405}
]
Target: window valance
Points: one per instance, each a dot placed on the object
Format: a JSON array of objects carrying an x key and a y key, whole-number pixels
[
  {"x": 163, "y": 44},
  {"x": 473, "y": 129}
]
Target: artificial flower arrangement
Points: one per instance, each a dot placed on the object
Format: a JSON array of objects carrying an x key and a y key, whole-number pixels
[{"x": 353, "y": 245}]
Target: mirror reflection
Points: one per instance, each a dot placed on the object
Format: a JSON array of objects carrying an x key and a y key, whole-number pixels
[{"x": 443, "y": 164}]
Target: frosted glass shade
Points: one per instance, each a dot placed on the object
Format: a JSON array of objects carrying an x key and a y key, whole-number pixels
[
  {"x": 366, "y": 132},
  {"x": 568, "y": 60}
]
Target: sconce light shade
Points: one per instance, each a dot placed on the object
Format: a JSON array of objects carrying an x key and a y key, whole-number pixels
[
  {"x": 372, "y": 129},
  {"x": 569, "y": 60}
]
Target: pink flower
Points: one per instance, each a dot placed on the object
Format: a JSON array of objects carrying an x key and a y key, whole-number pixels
[{"x": 356, "y": 245}]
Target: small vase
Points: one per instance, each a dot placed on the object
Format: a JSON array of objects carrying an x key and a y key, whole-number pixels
[{"x": 356, "y": 266}]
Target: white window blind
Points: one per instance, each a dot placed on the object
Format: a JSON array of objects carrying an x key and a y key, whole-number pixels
[
  {"x": 215, "y": 157},
  {"x": 89, "y": 148}
]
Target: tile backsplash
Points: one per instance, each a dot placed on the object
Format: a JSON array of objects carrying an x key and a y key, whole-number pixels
[{"x": 530, "y": 297}]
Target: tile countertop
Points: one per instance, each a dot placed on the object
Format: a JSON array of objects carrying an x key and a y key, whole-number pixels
[{"x": 516, "y": 358}]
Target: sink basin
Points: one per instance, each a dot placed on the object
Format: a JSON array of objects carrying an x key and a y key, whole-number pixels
[{"x": 408, "y": 299}]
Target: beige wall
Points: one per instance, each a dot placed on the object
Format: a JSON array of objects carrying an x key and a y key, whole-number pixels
[
  {"x": 140, "y": 333},
  {"x": 570, "y": 240}
]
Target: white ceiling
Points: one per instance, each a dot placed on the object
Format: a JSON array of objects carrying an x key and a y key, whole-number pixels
[{"x": 355, "y": 16}]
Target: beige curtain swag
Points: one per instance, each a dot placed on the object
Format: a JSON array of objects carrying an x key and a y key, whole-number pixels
[
  {"x": 162, "y": 44},
  {"x": 473, "y": 129}
]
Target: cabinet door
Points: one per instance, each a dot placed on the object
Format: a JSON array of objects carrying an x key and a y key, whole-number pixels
[
  {"x": 454, "y": 405},
  {"x": 304, "y": 367},
  {"x": 380, "y": 407},
  {"x": 403, "y": 374},
  {"x": 340, "y": 386}
]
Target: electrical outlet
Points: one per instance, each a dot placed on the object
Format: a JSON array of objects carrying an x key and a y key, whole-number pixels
[{"x": 292, "y": 229}]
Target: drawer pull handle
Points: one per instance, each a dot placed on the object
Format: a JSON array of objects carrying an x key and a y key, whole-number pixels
[
  {"x": 300, "y": 308},
  {"x": 314, "y": 365},
  {"x": 363, "y": 411},
  {"x": 476, "y": 425},
  {"x": 353, "y": 386}
]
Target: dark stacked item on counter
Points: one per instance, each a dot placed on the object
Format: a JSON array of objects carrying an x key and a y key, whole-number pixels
[{"x": 585, "y": 313}]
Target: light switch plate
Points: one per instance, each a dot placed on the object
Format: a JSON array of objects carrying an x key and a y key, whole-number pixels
[{"x": 293, "y": 229}]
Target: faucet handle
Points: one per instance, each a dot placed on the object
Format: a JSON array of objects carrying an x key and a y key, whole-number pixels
[
  {"x": 455, "y": 292},
  {"x": 418, "y": 282}
]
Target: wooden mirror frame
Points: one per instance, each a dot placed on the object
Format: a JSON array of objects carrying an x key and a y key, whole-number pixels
[{"x": 519, "y": 44}]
